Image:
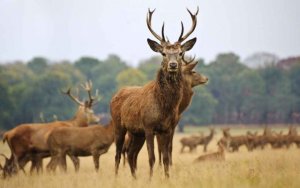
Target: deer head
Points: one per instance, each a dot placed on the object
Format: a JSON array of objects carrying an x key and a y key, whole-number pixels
[
  {"x": 191, "y": 76},
  {"x": 172, "y": 53},
  {"x": 85, "y": 107}
]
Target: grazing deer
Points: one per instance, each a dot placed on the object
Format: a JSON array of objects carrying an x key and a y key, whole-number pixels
[
  {"x": 79, "y": 142},
  {"x": 153, "y": 108},
  {"x": 28, "y": 142},
  {"x": 217, "y": 156}
]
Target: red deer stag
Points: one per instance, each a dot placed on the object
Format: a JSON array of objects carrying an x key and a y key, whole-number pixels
[
  {"x": 153, "y": 108},
  {"x": 79, "y": 142},
  {"x": 28, "y": 142},
  {"x": 190, "y": 80}
]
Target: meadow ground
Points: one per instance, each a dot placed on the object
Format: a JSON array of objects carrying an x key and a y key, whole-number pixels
[{"x": 260, "y": 168}]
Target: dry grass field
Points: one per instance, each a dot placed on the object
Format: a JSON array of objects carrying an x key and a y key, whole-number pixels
[{"x": 260, "y": 168}]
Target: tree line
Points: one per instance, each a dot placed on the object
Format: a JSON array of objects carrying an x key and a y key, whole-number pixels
[{"x": 235, "y": 94}]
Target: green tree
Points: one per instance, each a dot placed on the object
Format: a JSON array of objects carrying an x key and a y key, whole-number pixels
[
  {"x": 6, "y": 107},
  {"x": 223, "y": 85},
  {"x": 38, "y": 65},
  {"x": 86, "y": 66},
  {"x": 202, "y": 108},
  {"x": 131, "y": 77},
  {"x": 150, "y": 67},
  {"x": 104, "y": 75}
]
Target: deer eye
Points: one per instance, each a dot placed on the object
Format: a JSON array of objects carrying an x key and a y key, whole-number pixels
[
  {"x": 163, "y": 54},
  {"x": 180, "y": 54}
]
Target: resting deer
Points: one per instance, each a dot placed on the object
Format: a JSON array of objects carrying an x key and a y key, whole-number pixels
[
  {"x": 217, "y": 156},
  {"x": 28, "y": 142},
  {"x": 153, "y": 108},
  {"x": 79, "y": 142}
]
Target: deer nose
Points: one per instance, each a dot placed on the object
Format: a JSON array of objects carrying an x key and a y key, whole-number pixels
[{"x": 173, "y": 65}]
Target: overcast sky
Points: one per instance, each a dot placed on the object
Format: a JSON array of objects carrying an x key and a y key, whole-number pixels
[{"x": 69, "y": 29}]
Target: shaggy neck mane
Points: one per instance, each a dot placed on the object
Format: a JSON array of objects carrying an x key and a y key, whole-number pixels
[{"x": 168, "y": 90}]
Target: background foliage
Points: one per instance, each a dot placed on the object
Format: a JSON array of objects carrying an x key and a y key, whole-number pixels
[{"x": 236, "y": 93}]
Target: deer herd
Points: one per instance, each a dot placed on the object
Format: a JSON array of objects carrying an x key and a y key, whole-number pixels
[{"x": 138, "y": 114}]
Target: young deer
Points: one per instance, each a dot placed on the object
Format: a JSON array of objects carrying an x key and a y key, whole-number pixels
[{"x": 79, "y": 142}]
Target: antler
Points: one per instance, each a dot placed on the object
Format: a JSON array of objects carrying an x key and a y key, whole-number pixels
[
  {"x": 88, "y": 87},
  {"x": 148, "y": 19},
  {"x": 1, "y": 154},
  {"x": 194, "y": 20},
  {"x": 188, "y": 62},
  {"x": 72, "y": 97}
]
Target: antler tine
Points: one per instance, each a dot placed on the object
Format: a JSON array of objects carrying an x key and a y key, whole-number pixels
[
  {"x": 88, "y": 87},
  {"x": 190, "y": 61},
  {"x": 194, "y": 24},
  {"x": 97, "y": 98},
  {"x": 1, "y": 154},
  {"x": 182, "y": 31},
  {"x": 148, "y": 20},
  {"x": 72, "y": 97},
  {"x": 163, "y": 32}
]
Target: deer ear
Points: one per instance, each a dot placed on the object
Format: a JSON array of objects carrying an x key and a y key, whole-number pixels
[
  {"x": 188, "y": 45},
  {"x": 154, "y": 45}
]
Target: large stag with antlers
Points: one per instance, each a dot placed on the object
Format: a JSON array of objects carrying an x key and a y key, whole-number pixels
[
  {"x": 153, "y": 108},
  {"x": 191, "y": 79},
  {"x": 28, "y": 142}
]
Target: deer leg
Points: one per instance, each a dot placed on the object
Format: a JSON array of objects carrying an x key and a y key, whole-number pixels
[
  {"x": 62, "y": 162},
  {"x": 130, "y": 155},
  {"x": 182, "y": 148},
  {"x": 33, "y": 165},
  {"x": 150, "y": 148},
  {"x": 165, "y": 145},
  {"x": 205, "y": 148},
  {"x": 135, "y": 146},
  {"x": 171, "y": 148},
  {"x": 22, "y": 162},
  {"x": 139, "y": 145},
  {"x": 159, "y": 149},
  {"x": 96, "y": 161},
  {"x": 120, "y": 135},
  {"x": 75, "y": 161},
  {"x": 50, "y": 164},
  {"x": 124, "y": 156}
]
